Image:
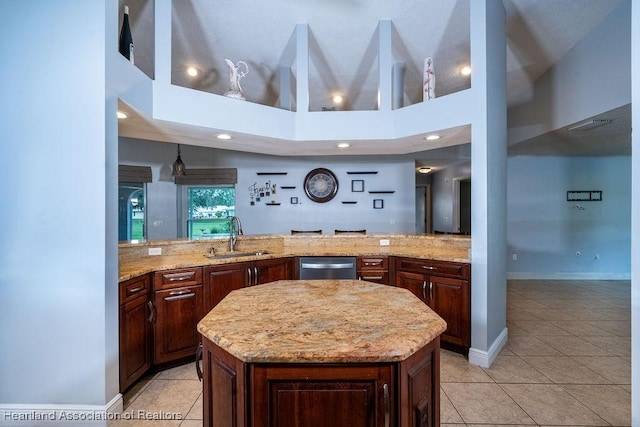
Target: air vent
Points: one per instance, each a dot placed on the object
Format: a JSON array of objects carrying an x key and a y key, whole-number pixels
[{"x": 590, "y": 124}]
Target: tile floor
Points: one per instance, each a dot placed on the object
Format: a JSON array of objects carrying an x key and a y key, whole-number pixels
[{"x": 567, "y": 362}]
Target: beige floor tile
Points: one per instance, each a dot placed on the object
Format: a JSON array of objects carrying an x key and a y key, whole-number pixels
[
  {"x": 540, "y": 327},
  {"x": 191, "y": 423},
  {"x": 528, "y": 345},
  {"x": 513, "y": 369},
  {"x": 524, "y": 314},
  {"x": 136, "y": 390},
  {"x": 615, "y": 314},
  {"x": 455, "y": 368},
  {"x": 574, "y": 346},
  {"x": 485, "y": 404},
  {"x": 544, "y": 314},
  {"x": 626, "y": 387},
  {"x": 621, "y": 328},
  {"x": 549, "y": 404},
  {"x": 169, "y": 396},
  {"x": 182, "y": 372},
  {"x": 524, "y": 303},
  {"x": 448, "y": 413},
  {"x": 617, "y": 346},
  {"x": 196, "y": 410},
  {"x": 615, "y": 369},
  {"x": 564, "y": 370},
  {"x": 612, "y": 403},
  {"x": 579, "y": 328},
  {"x": 514, "y": 330}
]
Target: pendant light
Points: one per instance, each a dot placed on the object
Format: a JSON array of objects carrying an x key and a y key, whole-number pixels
[{"x": 178, "y": 165}]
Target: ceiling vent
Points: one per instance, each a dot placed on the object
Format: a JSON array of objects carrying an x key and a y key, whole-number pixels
[{"x": 589, "y": 124}]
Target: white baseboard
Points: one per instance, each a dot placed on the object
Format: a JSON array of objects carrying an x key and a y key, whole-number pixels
[
  {"x": 485, "y": 359},
  {"x": 24, "y": 414},
  {"x": 567, "y": 276}
]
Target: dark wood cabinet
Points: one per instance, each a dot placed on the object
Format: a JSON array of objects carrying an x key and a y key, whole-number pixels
[
  {"x": 373, "y": 269},
  {"x": 136, "y": 332},
  {"x": 402, "y": 394},
  {"x": 220, "y": 280},
  {"x": 178, "y": 301},
  {"x": 443, "y": 286}
]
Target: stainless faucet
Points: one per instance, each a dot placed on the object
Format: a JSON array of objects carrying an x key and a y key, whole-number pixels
[{"x": 235, "y": 230}]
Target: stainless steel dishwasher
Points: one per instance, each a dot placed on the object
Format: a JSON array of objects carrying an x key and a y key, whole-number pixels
[{"x": 334, "y": 267}]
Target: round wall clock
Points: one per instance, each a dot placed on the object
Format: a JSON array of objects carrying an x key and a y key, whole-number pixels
[{"x": 321, "y": 185}]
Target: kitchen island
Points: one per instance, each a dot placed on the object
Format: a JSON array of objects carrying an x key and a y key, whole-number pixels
[{"x": 321, "y": 353}]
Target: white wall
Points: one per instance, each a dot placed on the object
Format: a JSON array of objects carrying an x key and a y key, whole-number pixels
[
  {"x": 443, "y": 194},
  {"x": 545, "y": 231},
  {"x": 55, "y": 254},
  {"x": 397, "y": 216}
]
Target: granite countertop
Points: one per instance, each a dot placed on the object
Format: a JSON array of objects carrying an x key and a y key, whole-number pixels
[
  {"x": 321, "y": 321},
  {"x": 193, "y": 253}
]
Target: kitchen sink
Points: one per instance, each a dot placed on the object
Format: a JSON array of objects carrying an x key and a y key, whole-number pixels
[{"x": 236, "y": 254}]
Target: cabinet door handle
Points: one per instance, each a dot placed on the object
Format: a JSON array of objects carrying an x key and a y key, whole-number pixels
[
  {"x": 429, "y": 267},
  {"x": 250, "y": 273},
  {"x": 387, "y": 405},
  {"x": 180, "y": 295},
  {"x": 179, "y": 277},
  {"x": 134, "y": 290},
  {"x": 424, "y": 290},
  {"x": 198, "y": 359},
  {"x": 371, "y": 278},
  {"x": 152, "y": 311},
  {"x": 430, "y": 290},
  {"x": 255, "y": 275}
]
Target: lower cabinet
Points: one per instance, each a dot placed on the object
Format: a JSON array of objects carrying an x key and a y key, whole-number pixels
[
  {"x": 220, "y": 280},
  {"x": 136, "y": 329},
  {"x": 178, "y": 301},
  {"x": 373, "y": 269},
  {"x": 403, "y": 394},
  {"x": 443, "y": 286}
]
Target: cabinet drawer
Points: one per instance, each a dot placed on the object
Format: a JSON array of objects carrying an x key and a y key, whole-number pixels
[
  {"x": 432, "y": 267},
  {"x": 375, "y": 276},
  {"x": 176, "y": 278},
  {"x": 133, "y": 288},
  {"x": 373, "y": 263}
]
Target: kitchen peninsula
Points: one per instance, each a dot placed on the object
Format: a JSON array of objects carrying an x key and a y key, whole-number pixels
[
  {"x": 163, "y": 297},
  {"x": 322, "y": 353}
]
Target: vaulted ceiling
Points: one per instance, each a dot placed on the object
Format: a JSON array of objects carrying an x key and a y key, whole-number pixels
[{"x": 343, "y": 43}]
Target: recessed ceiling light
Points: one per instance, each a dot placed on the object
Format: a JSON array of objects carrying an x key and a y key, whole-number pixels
[
  {"x": 121, "y": 115},
  {"x": 465, "y": 70},
  {"x": 424, "y": 169},
  {"x": 343, "y": 145},
  {"x": 337, "y": 99},
  {"x": 432, "y": 137},
  {"x": 192, "y": 71},
  {"x": 223, "y": 136}
]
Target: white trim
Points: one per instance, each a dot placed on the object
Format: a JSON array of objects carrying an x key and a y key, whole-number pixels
[
  {"x": 24, "y": 414},
  {"x": 485, "y": 359},
  {"x": 567, "y": 276}
]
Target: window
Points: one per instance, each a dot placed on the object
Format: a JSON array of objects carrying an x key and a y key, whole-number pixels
[
  {"x": 131, "y": 211},
  {"x": 207, "y": 210}
]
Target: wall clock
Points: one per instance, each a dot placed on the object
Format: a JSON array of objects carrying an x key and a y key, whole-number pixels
[{"x": 321, "y": 185}]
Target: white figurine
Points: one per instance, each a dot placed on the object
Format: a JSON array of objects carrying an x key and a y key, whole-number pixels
[
  {"x": 235, "y": 74},
  {"x": 428, "y": 80}
]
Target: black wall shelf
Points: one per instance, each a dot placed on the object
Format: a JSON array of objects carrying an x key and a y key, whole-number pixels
[
  {"x": 362, "y": 173},
  {"x": 288, "y": 187},
  {"x": 349, "y": 203},
  {"x": 272, "y": 204},
  {"x": 382, "y": 192},
  {"x": 271, "y": 173}
]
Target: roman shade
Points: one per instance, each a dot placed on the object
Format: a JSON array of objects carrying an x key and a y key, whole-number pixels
[
  {"x": 127, "y": 173},
  {"x": 218, "y": 176}
]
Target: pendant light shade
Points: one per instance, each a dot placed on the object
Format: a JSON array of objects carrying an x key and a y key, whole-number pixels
[{"x": 178, "y": 165}]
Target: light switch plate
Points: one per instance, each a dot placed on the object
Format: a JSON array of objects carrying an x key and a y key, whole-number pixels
[
  {"x": 155, "y": 251},
  {"x": 384, "y": 242}
]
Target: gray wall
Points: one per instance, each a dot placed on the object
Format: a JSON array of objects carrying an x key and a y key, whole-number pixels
[
  {"x": 545, "y": 231},
  {"x": 397, "y": 216},
  {"x": 58, "y": 268}
]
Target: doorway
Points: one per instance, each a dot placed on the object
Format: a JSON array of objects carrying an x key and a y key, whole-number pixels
[{"x": 462, "y": 205}]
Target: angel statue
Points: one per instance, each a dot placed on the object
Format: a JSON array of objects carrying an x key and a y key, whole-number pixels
[{"x": 235, "y": 74}]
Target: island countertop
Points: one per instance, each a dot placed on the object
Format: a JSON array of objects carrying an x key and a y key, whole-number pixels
[{"x": 321, "y": 321}]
